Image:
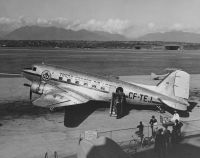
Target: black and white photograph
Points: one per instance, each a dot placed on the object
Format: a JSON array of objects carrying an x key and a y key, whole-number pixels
[{"x": 99, "y": 78}]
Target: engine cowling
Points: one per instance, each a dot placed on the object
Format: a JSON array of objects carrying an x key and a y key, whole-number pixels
[
  {"x": 40, "y": 87},
  {"x": 37, "y": 87}
]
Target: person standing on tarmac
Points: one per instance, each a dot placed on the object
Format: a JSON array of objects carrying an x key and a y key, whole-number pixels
[
  {"x": 140, "y": 132},
  {"x": 167, "y": 136},
  {"x": 153, "y": 122},
  {"x": 177, "y": 128},
  {"x": 159, "y": 147},
  {"x": 175, "y": 117}
]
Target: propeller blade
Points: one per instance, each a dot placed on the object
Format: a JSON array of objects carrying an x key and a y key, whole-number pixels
[
  {"x": 30, "y": 92},
  {"x": 30, "y": 95}
]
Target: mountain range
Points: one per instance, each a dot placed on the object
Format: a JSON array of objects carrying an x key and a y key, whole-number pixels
[
  {"x": 172, "y": 36},
  {"x": 54, "y": 33}
]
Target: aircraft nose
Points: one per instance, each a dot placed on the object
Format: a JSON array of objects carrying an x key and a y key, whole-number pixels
[
  {"x": 26, "y": 70},
  {"x": 29, "y": 74}
]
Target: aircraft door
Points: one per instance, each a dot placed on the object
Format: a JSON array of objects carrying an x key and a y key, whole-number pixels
[{"x": 112, "y": 89}]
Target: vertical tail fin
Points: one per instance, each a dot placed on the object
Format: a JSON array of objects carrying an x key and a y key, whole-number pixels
[{"x": 176, "y": 84}]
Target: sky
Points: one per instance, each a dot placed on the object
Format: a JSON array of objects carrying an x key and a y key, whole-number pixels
[{"x": 131, "y": 18}]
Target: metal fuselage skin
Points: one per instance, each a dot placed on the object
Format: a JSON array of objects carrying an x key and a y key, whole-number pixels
[{"x": 92, "y": 86}]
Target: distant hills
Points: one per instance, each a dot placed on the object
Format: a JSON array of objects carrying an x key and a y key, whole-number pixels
[
  {"x": 173, "y": 36},
  {"x": 54, "y": 33}
]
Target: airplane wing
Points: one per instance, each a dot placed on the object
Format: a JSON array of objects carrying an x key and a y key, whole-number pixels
[{"x": 59, "y": 97}]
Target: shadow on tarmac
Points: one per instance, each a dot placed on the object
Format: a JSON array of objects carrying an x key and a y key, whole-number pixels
[
  {"x": 181, "y": 150},
  {"x": 75, "y": 115},
  {"x": 19, "y": 108}
]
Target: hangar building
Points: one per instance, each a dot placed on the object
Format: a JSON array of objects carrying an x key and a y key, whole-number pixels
[{"x": 173, "y": 47}]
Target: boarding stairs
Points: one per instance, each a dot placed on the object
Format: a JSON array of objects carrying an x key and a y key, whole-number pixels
[{"x": 117, "y": 105}]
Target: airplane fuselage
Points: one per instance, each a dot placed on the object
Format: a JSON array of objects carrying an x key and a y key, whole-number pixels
[{"x": 92, "y": 86}]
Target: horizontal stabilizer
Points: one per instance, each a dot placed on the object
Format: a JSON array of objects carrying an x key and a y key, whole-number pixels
[{"x": 176, "y": 105}]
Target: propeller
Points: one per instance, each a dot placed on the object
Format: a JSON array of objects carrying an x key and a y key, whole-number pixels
[
  {"x": 30, "y": 92},
  {"x": 30, "y": 95}
]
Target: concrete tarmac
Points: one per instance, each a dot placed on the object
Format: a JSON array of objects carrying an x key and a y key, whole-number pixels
[{"x": 29, "y": 132}]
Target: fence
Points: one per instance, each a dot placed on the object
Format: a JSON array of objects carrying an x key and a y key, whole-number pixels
[
  {"x": 120, "y": 135},
  {"x": 124, "y": 136},
  {"x": 189, "y": 127}
]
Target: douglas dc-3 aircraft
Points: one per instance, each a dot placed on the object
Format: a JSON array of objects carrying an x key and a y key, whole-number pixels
[{"x": 59, "y": 86}]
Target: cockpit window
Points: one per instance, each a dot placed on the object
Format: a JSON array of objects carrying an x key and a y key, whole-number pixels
[{"x": 34, "y": 68}]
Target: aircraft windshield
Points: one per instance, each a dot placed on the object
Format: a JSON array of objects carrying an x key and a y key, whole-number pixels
[{"x": 34, "y": 68}]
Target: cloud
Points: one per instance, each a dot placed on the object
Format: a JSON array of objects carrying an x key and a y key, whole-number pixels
[
  {"x": 110, "y": 25},
  {"x": 7, "y": 24},
  {"x": 151, "y": 25},
  {"x": 139, "y": 30},
  {"x": 120, "y": 26},
  {"x": 177, "y": 26}
]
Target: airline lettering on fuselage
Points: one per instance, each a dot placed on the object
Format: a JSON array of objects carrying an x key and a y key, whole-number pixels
[
  {"x": 65, "y": 75},
  {"x": 140, "y": 97}
]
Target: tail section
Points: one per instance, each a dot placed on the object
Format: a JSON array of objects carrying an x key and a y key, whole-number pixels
[
  {"x": 154, "y": 76},
  {"x": 176, "y": 84},
  {"x": 158, "y": 77}
]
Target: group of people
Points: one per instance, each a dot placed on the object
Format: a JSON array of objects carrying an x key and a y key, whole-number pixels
[
  {"x": 163, "y": 137},
  {"x": 162, "y": 142}
]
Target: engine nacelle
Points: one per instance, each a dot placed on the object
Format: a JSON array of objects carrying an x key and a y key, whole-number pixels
[
  {"x": 37, "y": 87},
  {"x": 40, "y": 87}
]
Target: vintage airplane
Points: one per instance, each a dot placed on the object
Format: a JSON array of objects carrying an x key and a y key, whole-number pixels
[{"x": 58, "y": 86}]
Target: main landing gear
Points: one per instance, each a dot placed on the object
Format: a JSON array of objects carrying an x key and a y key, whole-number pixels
[{"x": 161, "y": 110}]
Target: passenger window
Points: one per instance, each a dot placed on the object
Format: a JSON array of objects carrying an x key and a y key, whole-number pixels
[
  {"x": 94, "y": 86},
  {"x": 85, "y": 84},
  {"x": 68, "y": 81},
  {"x": 77, "y": 82},
  {"x": 102, "y": 88},
  {"x": 60, "y": 78}
]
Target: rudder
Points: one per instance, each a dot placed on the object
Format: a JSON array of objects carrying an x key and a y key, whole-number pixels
[{"x": 175, "y": 84}]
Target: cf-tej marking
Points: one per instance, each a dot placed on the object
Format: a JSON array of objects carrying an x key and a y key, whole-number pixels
[{"x": 141, "y": 97}]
